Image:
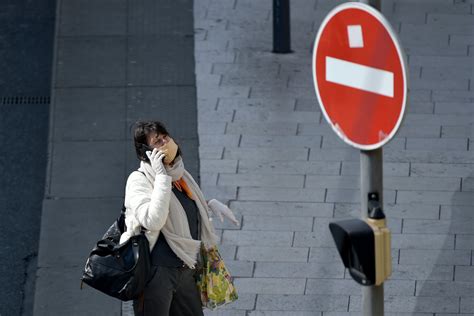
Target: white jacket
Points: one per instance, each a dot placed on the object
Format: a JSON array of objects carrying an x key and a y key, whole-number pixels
[{"x": 147, "y": 205}]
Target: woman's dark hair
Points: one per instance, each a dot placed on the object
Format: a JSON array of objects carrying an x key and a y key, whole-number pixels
[{"x": 140, "y": 132}]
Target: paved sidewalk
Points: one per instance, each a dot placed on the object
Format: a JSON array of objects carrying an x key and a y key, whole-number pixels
[
  {"x": 266, "y": 149},
  {"x": 110, "y": 69}
]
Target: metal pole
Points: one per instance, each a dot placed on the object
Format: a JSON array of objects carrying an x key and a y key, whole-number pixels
[
  {"x": 371, "y": 180},
  {"x": 281, "y": 26}
]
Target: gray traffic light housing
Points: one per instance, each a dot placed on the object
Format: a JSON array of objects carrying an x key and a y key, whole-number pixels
[{"x": 356, "y": 245}]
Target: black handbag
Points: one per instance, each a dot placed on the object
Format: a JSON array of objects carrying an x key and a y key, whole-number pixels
[{"x": 119, "y": 270}]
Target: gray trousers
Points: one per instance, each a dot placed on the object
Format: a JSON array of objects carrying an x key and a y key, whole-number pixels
[{"x": 170, "y": 292}]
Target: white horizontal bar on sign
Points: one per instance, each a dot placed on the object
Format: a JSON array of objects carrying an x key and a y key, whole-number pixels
[{"x": 358, "y": 76}]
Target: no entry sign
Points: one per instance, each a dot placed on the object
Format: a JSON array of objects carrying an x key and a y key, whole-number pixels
[{"x": 359, "y": 73}]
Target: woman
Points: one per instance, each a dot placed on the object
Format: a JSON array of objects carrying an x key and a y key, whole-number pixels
[{"x": 163, "y": 198}]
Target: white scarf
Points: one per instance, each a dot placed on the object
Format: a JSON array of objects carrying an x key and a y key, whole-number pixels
[{"x": 176, "y": 229}]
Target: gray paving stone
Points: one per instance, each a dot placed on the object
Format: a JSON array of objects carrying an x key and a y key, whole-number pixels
[
  {"x": 221, "y": 193},
  {"x": 464, "y": 274},
  {"x": 448, "y": 61},
  {"x": 253, "y": 81},
  {"x": 276, "y": 116},
  {"x": 410, "y": 304},
  {"x": 215, "y": 57},
  {"x": 225, "y": 312},
  {"x": 269, "y": 104},
  {"x": 349, "y": 287},
  {"x": 280, "y": 194},
  {"x": 218, "y": 92},
  {"x": 310, "y": 104},
  {"x": 353, "y": 196},
  {"x": 418, "y": 240},
  {"x": 318, "y": 238},
  {"x": 468, "y": 184},
  {"x": 453, "y": 226},
  {"x": 80, "y": 18},
  {"x": 217, "y": 165},
  {"x": 422, "y": 272},
  {"x": 439, "y": 119},
  {"x": 289, "y": 167},
  {"x": 282, "y": 313},
  {"x": 89, "y": 114},
  {"x": 144, "y": 103},
  {"x": 207, "y": 79},
  {"x": 436, "y": 197},
  {"x": 416, "y": 210},
  {"x": 444, "y": 288},
  {"x": 277, "y": 92},
  {"x": 208, "y": 179},
  {"x": 240, "y": 268},
  {"x": 243, "y": 180},
  {"x": 227, "y": 251},
  {"x": 298, "y": 270},
  {"x": 420, "y": 130},
  {"x": 387, "y": 314},
  {"x": 454, "y": 108},
  {"x": 270, "y": 285},
  {"x": 144, "y": 52},
  {"x": 91, "y": 62},
  {"x": 467, "y": 305},
  {"x": 441, "y": 170},
  {"x": 332, "y": 141},
  {"x": 324, "y": 255},
  {"x": 392, "y": 183},
  {"x": 57, "y": 289},
  {"x": 460, "y": 131},
  {"x": 273, "y": 254},
  {"x": 212, "y": 116},
  {"x": 437, "y": 84},
  {"x": 440, "y": 144},
  {"x": 220, "y": 140},
  {"x": 439, "y": 72},
  {"x": 438, "y": 257},
  {"x": 449, "y": 19},
  {"x": 246, "y": 301},
  {"x": 282, "y": 223},
  {"x": 302, "y": 302},
  {"x": 245, "y": 69},
  {"x": 456, "y": 212},
  {"x": 453, "y": 96},
  {"x": 203, "y": 67},
  {"x": 258, "y": 238},
  {"x": 262, "y": 128},
  {"x": 465, "y": 242},
  {"x": 71, "y": 213},
  {"x": 106, "y": 177},
  {"x": 280, "y": 141},
  {"x": 334, "y": 154},
  {"x": 217, "y": 128},
  {"x": 350, "y": 168},
  {"x": 265, "y": 155},
  {"x": 211, "y": 152},
  {"x": 283, "y": 208}
]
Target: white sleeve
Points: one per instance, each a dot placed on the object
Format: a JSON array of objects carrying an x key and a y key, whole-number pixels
[{"x": 149, "y": 205}]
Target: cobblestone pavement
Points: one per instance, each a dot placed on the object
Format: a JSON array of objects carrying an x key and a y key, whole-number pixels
[{"x": 265, "y": 149}]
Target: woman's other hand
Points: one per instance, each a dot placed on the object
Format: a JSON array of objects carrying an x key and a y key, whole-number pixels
[{"x": 221, "y": 210}]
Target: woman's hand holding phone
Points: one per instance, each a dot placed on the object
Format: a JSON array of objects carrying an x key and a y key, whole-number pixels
[{"x": 156, "y": 159}]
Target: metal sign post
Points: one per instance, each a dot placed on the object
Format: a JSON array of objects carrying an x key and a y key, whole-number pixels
[{"x": 371, "y": 180}]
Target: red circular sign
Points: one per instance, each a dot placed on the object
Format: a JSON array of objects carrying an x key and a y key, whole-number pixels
[{"x": 359, "y": 73}]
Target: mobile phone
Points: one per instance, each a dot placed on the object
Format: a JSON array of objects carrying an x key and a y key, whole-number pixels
[{"x": 144, "y": 148}]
